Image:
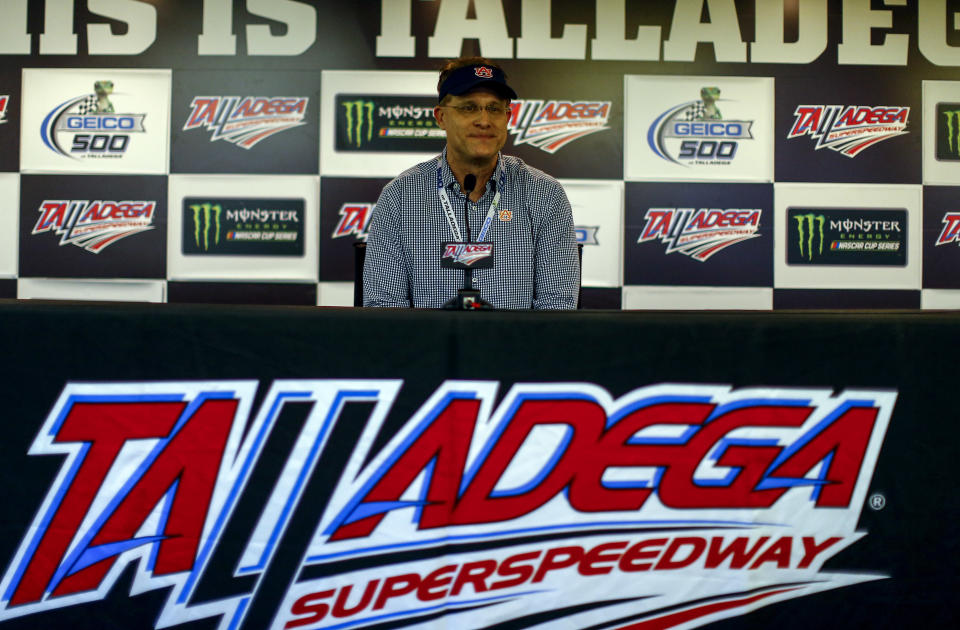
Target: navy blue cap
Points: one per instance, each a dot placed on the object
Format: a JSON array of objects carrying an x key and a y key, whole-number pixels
[{"x": 467, "y": 78}]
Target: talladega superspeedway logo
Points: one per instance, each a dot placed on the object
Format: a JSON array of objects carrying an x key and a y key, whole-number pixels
[
  {"x": 552, "y": 125},
  {"x": 951, "y": 229},
  {"x": 700, "y": 233},
  {"x": 248, "y": 120},
  {"x": 94, "y": 225},
  {"x": 560, "y": 506},
  {"x": 354, "y": 220},
  {"x": 92, "y": 125},
  {"x": 467, "y": 253},
  {"x": 848, "y": 129},
  {"x": 696, "y": 132}
]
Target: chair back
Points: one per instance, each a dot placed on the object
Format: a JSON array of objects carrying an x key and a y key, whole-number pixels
[
  {"x": 359, "y": 255},
  {"x": 580, "y": 286}
]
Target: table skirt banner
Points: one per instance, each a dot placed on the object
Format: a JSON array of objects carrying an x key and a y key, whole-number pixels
[{"x": 210, "y": 467}]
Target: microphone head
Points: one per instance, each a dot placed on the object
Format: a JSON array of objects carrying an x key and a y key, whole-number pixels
[{"x": 469, "y": 183}]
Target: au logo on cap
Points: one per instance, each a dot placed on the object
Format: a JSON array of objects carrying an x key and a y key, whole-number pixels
[{"x": 483, "y": 72}]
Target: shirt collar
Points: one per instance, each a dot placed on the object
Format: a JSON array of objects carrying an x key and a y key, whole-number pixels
[{"x": 449, "y": 179}]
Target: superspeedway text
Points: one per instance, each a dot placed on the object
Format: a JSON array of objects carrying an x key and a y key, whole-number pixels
[{"x": 490, "y": 575}]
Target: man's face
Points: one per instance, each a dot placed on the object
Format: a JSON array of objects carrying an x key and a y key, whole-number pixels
[{"x": 473, "y": 138}]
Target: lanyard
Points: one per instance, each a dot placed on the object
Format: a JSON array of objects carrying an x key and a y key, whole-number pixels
[{"x": 451, "y": 215}]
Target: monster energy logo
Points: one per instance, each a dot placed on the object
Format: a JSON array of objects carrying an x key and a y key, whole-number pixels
[
  {"x": 359, "y": 119},
  {"x": 201, "y": 226},
  {"x": 805, "y": 231},
  {"x": 952, "y": 120}
]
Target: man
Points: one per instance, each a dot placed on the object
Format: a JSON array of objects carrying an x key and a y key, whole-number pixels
[{"x": 534, "y": 256}]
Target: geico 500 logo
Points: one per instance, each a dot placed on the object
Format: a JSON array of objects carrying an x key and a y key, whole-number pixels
[
  {"x": 88, "y": 126},
  {"x": 695, "y": 132},
  {"x": 553, "y": 505}
]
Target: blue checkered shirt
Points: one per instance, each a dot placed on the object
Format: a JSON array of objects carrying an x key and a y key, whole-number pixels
[{"x": 535, "y": 256}]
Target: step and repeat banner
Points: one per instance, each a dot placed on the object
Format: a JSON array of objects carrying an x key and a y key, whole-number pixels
[{"x": 718, "y": 154}]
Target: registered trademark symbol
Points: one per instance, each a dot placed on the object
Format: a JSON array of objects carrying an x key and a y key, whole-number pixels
[{"x": 878, "y": 502}]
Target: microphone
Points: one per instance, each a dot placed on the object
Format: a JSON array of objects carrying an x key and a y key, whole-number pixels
[{"x": 467, "y": 298}]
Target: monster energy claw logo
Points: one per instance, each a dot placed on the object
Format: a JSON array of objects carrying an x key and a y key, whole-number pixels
[
  {"x": 203, "y": 225},
  {"x": 952, "y": 122},
  {"x": 948, "y": 132},
  {"x": 359, "y": 119},
  {"x": 806, "y": 234}
]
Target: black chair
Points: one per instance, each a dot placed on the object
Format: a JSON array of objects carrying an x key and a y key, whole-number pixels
[
  {"x": 580, "y": 286},
  {"x": 360, "y": 254}
]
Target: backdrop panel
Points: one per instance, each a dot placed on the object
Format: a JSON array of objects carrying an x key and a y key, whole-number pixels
[{"x": 727, "y": 93}]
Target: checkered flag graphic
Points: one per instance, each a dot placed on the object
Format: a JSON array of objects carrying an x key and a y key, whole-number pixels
[
  {"x": 694, "y": 112},
  {"x": 88, "y": 105}
]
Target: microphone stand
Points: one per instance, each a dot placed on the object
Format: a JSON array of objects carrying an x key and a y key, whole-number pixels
[
  {"x": 468, "y": 298},
  {"x": 469, "y": 183}
]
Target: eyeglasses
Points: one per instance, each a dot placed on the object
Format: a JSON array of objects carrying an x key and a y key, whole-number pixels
[{"x": 471, "y": 110}]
